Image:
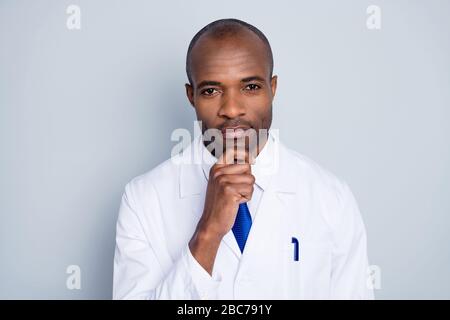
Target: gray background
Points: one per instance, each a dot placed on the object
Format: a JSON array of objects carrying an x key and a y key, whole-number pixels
[{"x": 83, "y": 112}]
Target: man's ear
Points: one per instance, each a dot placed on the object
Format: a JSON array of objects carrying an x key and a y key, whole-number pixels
[
  {"x": 190, "y": 93},
  {"x": 273, "y": 84}
]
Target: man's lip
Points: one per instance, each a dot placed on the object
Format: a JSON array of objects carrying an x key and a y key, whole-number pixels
[{"x": 224, "y": 130}]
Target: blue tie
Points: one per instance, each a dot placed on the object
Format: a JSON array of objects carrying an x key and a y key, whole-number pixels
[{"x": 242, "y": 225}]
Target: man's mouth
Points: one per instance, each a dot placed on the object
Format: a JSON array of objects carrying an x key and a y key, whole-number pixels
[{"x": 234, "y": 132}]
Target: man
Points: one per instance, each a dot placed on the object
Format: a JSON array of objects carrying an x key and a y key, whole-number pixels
[{"x": 258, "y": 222}]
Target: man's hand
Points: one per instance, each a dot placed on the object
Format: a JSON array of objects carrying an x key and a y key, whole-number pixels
[{"x": 229, "y": 185}]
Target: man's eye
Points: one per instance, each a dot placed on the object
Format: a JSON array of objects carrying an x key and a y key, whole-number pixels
[
  {"x": 252, "y": 87},
  {"x": 209, "y": 91}
]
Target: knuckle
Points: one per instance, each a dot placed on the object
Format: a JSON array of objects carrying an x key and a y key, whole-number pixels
[
  {"x": 215, "y": 174},
  {"x": 221, "y": 180},
  {"x": 227, "y": 188}
]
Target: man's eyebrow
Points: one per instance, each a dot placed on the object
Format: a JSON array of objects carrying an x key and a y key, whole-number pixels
[
  {"x": 216, "y": 83},
  {"x": 253, "y": 78},
  {"x": 208, "y": 83}
]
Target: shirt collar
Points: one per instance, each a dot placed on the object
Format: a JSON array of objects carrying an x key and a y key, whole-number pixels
[{"x": 261, "y": 169}]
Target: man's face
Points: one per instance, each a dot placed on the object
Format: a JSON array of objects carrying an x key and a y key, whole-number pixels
[{"x": 231, "y": 86}]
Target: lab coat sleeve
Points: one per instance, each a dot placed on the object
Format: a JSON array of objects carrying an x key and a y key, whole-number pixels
[
  {"x": 141, "y": 273},
  {"x": 350, "y": 261}
]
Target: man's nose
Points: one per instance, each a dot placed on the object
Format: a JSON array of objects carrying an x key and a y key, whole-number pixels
[{"x": 232, "y": 105}]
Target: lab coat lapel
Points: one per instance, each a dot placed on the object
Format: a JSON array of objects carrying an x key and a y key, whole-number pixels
[
  {"x": 273, "y": 208},
  {"x": 231, "y": 243},
  {"x": 270, "y": 210}
]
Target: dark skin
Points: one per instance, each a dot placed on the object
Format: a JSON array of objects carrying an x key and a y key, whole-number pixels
[{"x": 231, "y": 87}]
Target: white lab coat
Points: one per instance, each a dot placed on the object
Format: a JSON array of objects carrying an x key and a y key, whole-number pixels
[{"x": 160, "y": 210}]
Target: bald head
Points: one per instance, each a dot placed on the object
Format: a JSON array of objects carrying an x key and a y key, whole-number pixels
[{"x": 224, "y": 33}]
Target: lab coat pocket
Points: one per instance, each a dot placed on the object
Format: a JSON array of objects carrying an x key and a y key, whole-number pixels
[{"x": 307, "y": 270}]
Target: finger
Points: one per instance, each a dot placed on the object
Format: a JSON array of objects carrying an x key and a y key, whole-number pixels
[
  {"x": 245, "y": 191},
  {"x": 240, "y": 155},
  {"x": 230, "y": 169},
  {"x": 226, "y": 158},
  {"x": 235, "y": 154},
  {"x": 248, "y": 179}
]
